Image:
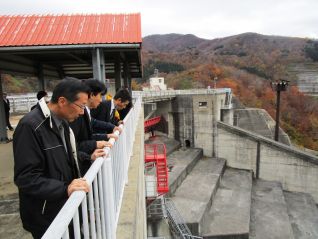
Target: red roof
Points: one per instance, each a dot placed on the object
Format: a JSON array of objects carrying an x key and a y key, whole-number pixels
[{"x": 30, "y": 30}]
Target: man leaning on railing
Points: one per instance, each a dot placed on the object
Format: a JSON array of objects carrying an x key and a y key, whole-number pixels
[
  {"x": 90, "y": 145},
  {"x": 45, "y": 162}
]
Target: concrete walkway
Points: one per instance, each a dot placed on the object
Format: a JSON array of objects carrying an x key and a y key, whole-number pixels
[
  {"x": 7, "y": 187},
  {"x": 10, "y": 222}
]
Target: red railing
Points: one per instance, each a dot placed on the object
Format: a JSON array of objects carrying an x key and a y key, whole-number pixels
[
  {"x": 151, "y": 122},
  {"x": 157, "y": 153}
]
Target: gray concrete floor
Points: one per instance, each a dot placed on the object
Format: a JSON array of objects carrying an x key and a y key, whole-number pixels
[
  {"x": 10, "y": 222},
  {"x": 7, "y": 187}
]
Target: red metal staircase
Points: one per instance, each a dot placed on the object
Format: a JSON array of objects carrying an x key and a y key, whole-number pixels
[{"x": 157, "y": 153}]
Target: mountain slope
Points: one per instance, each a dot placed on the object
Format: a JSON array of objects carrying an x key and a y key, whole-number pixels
[{"x": 247, "y": 63}]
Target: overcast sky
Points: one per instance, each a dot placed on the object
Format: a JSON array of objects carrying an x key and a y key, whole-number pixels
[{"x": 204, "y": 18}]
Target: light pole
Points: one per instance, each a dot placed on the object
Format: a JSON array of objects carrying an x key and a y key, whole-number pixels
[
  {"x": 278, "y": 86},
  {"x": 215, "y": 79}
]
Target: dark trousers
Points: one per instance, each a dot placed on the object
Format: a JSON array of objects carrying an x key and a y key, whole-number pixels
[{"x": 8, "y": 120}]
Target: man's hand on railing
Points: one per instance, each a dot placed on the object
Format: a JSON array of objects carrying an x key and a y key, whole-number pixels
[
  {"x": 117, "y": 128},
  {"x": 97, "y": 153},
  {"x": 78, "y": 184},
  {"x": 102, "y": 144},
  {"x": 114, "y": 136}
]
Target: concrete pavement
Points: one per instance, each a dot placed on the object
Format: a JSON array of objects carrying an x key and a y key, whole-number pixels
[
  {"x": 10, "y": 222},
  {"x": 7, "y": 187}
]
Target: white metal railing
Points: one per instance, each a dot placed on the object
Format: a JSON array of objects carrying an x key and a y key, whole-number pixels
[
  {"x": 173, "y": 93},
  {"x": 151, "y": 96},
  {"x": 95, "y": 215},
  {"x": 23, "y": 103}
]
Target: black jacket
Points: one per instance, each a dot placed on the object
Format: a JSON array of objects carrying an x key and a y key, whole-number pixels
[
  {"x": 102, "y": 112},
  {"x": 83, "y": 133},
  {"x": 6, "y": 105},
  {"x": 85, "y": 142},
  {"x": 86, "y": 139},
  {"x": 42, "y": 168},
  {"x": 125, "y": 111}
]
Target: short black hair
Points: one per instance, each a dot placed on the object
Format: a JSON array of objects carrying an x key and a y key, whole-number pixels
[
  {"x": 95, "y": 86},
  {"x": 41, "y": 94},
  {"x": 123, "y": 94},
  {"x": 69, "y": 88}
]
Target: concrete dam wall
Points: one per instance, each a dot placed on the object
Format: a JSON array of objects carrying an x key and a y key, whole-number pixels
[{"x": 269, "y": 160}]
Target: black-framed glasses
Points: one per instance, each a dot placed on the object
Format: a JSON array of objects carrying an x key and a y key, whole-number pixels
[{"x": 80, "y": 106}]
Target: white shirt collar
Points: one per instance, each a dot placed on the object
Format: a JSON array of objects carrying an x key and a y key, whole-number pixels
[
  {"x": 45, "y": 110},
  {"x": 89, "y": 112},
  {"x": 112, "y": 106}
]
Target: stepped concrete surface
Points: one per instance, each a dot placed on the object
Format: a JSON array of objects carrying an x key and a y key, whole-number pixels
[
  {"x": 229, "y": 216},
  {"x": 194, "y": 196},
  {"x": 180, "y": 164},
  {"x": 303, "y": 215},
  {"x": 269, "y": 217},
  {"x": 161, "y": 138}
]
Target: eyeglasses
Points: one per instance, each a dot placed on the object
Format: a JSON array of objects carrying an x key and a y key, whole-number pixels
[{"x": 80, "y": 106}]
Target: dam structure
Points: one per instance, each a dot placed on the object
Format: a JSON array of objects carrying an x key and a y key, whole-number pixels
[
  {"x": 224, "y": 181},
  {"x": 228, "y": 181}
]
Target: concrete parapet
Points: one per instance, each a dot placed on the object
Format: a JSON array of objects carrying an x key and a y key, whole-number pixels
[{"x": 269, "y": 160}]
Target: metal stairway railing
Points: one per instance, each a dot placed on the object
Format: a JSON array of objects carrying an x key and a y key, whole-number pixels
[
  {"x": 177, "y": 225},
  {"x": 157, "y": 209}
]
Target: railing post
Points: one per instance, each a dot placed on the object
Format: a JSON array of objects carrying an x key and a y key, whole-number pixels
[{"x": 109, "y": 199}]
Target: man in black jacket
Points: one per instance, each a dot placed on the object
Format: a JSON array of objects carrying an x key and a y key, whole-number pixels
[
  {"x": 106, "y": 111},
  {"x": 46, "y": 169}
]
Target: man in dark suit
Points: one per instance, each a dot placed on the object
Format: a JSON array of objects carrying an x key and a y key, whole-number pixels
[
  {"x": 90, "y": 145},
  {"x": 106, "y": 111},
  {"x": 7, "y": 110}
]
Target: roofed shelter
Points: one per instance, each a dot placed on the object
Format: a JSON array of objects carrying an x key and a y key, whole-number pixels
[{"x": 79, "y": 45}]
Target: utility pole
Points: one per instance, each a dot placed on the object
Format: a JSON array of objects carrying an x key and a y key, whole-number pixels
[
  {"x": 214, "y": 126},
  {"x": 278, "y": 86}
]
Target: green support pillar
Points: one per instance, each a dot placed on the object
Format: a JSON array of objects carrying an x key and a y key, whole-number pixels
[
  {"x": 98, "y": 60},
  {"x": 118, "y": 81},
  {"x": 3, "y": 125},
  {"x": 127, "y": 76},
  {"x": 42, "y": 83}
]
